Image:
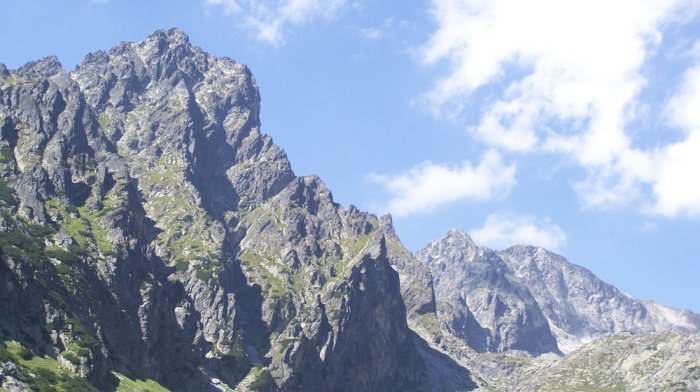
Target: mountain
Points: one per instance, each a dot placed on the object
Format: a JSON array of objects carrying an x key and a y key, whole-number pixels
[
  {"x": 481, "y": 301},
  {"x": 509, "y": 316},
  {"x": 527, "y": 298},
  {"x": 152, "y": 234},
  {"x": 580, "y": 307},
  {"x": 153, "y": 238},
  {"x": 663, "y": 361}
]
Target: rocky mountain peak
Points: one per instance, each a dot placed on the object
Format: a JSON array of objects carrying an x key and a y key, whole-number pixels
[
  {"x": 531, "y": 250},
  {"x": 458, "y": 236},
  {"x": 576, "y": 305},
  {"x": 455, "y": 246},
  {"x": 161, "y": 44},
  {"x": 150, "y": 229},
  {"x": 480, "y": 302},
  {"x": 171, "y": 238},
  {"x": 173, "y": 36},
  {"x": 44, "y": 68},
  {"x": 171, "y": 50}
]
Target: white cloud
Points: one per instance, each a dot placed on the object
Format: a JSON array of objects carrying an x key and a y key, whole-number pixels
[
  {"x": 376, "y": 33},
  {"x": 581, "y": 59},
  {"x": 683, "y": 109},
  {"x": 270, "y": 21},
  {"x": 677, "y": 185},
  {"x": 675, "y": 182},
  {"x": 502, "y": 230},
  {"x": 429, "y": 185},
  {"x": 564, "y": 77},
  {"x": 372, "y": 33}
]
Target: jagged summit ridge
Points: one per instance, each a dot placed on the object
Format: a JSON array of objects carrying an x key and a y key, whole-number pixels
[
  {"x": 177, "y": 243},
  {"x": 150, "y": 229},
  {"x": 480, "y": 301},
  {"x": 580, "y": 304},
  {"x": 578, "y": 307}
]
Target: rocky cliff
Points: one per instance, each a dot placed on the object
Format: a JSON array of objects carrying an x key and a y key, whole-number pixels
[
  {"x": 580, "y": 307},
  {"x": 508, "y": 316},
  {"x": 151, "y": 231},
  {"x": 527, "y": 298},
  {"x": 481, "y": 301},
  {"x": 663, "y": 361},
  {"x": 153, "y": 238}
]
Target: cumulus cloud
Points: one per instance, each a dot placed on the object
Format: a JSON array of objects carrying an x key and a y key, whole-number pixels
[
  {"x": 564, "y": 77},
  {"x": 386, "y": 29},
  {"x": 577, "y": 58},
  {"x": 375, "y": 33},
  {"x": 428, "y": 185},
  {"x": 502, "y": 230},
  {"x": 270, "y": 21},
  {"x": 676, "y": 186}
]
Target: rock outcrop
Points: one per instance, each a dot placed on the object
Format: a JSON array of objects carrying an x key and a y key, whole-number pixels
[
  {"x": 527, "y": 298},
  {"x": 149, "y": 227},
  {"x": 580, "y": 307},
  {"x": 662, "y": 361},
  {"x": 152, "y": 237},
  {"x": 481, "y": 302}
]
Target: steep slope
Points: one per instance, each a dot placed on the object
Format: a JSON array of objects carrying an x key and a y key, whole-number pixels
[
  {"x": 492, "y": 300},
  {"x": 485, "y": 296},
  {"x": 663, "y": 361},
  {"x": 481, "y": 302},
  {"x": 152, "y": 237},
  {"x": 149, "y": 228},
  {"x": 580, "y": 307}
]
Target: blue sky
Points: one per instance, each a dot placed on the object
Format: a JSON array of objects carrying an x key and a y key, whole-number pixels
[{"x": 572, "y": 125}]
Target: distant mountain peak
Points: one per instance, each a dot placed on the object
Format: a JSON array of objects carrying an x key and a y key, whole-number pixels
[
  {"x": 162, "y": 41},
  {"x": 577, "y": 305},
  {"x": 458, "y": 237},
  {"x": 46, "y": 67},
  {"x": 173, "y": 34}
]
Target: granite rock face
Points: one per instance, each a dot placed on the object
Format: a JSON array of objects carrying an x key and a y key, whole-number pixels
[
  {"x": 150, "y": 231},
  {"x": 480, "y": 301},
  {"x": 149, "y": 227},
  {"x": 527, "y": 298},
  {"x": 509, "y": 316},
  {"x": 580, "y": 307},
  {"x": 661, "y": 361}
]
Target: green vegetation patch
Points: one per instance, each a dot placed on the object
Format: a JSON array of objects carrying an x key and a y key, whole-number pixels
[
  {"x": 352, "y": 247},
  {"x": 84, "y": 224},
  {"x": 83, "y": 339},
  {"x": 19, "y": 244},
  {"x": 7, "y": 194},
  {"x": 99, "y": 234},
  {"x": 231, "y": 349},
  {"x": 127, "y": 384},
  {"x": 105, "y": 120},
  {"x": 65, "y": 257},
  {"x": 10, "y": 80},
  {"x": 6, "y": 154},
  {"x": 44, "y": 374},
  {"x": 186, "y": 227},
  {"x": 262, "y": 379},
  {"x": 271, "y": 284},
  {"x": 592, "y": 374},
  {"x": 285, "y": 342},
  {"x": 204, "y": 274}
]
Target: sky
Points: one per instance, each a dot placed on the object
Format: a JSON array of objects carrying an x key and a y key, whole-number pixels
[{"x": 572, "y": 125}]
